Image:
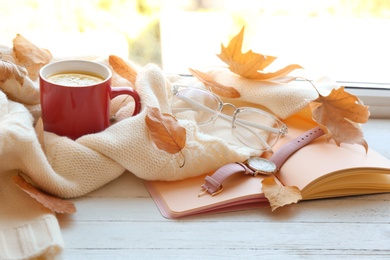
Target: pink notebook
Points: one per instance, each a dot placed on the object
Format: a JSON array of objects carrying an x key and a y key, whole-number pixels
[{"x": 320, "y": 170}]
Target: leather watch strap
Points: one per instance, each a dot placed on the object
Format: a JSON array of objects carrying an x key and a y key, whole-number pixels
[
  {"x": 286, "y": 150},
  {"x": 213, "y": 183}
]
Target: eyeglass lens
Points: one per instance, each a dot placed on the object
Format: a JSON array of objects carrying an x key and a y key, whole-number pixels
[{"x": 253, "y": 127}]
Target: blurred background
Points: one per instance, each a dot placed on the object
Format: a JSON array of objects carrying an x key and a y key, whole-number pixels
[{"x": 346, "y": 40}]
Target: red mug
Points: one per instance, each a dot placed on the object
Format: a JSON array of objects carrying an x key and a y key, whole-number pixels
[{"x": 74, "y": 111}]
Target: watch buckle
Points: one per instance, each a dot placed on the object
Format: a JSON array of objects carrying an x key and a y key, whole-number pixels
[
  {"x": 264, "y": 173},
  {"x": 255, "y": 173},
  {"x": 204, "y": 191}
]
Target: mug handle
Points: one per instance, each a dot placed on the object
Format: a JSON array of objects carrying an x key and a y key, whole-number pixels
[{"x": 116, "y": 91}]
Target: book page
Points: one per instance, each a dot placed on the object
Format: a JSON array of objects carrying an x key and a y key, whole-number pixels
[{"x": 321, "y": 158}]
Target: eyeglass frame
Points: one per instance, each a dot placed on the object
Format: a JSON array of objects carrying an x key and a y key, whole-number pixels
[{"x": 234, "y": 120}]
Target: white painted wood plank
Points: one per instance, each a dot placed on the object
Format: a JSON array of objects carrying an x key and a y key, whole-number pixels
[
  {"x": 234, "y": 239},
  {"x": 369, "y": 208},
  {"x": 224, "y": 254},
  {"x": 240, "y": 235}
]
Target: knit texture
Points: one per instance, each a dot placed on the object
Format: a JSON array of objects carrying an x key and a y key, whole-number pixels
[
  {"x": 70, "y": 169},
  {"x": 27, "y": 230}
]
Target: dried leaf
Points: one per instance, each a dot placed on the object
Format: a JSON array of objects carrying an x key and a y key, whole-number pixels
[
  {"x": 282, "y": 73},
  {"x": 249, "y": 64},
  {"x": 339, "y": 114},
  {"x": 53, "y": 203},
  {"x": 123, "y": 69},
  {"x": 10, "y": 70},
  {"x": 279, "y": 195},
  {"x": 7, "y": 54},
  {"x": 15, "y": 83},
  {"x": 224, "y": 91},
  {"x": 165, "y": 131},
  {"x": 30, "y": 56},
  {"x": 39, "y": 130}
]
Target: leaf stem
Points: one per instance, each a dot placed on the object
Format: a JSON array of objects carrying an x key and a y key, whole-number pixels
[
  {"x": 184, "y": 161},
  {"x": 311, "y": 84}
]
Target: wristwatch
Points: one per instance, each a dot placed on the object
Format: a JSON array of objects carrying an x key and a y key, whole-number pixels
[{"x": 258, "y": 165}]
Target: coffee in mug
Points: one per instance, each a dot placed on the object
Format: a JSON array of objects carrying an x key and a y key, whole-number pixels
[
  {"x": 76, "y": 96},
  {"x": 75, "y": 79}
]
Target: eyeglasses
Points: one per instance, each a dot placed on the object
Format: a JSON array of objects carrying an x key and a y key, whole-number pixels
[{"x": 254, "y": 127}]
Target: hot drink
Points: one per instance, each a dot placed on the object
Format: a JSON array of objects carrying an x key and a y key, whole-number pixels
[{"x": 74, "y": 79}]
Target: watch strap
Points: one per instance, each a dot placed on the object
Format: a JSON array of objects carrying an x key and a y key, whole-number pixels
[
  {"x": 213, "y": 183},
  {"x": 286, "y": 150}
]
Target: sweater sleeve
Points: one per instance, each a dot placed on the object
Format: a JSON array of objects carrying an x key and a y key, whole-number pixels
[{"x": 27, "y": 230}]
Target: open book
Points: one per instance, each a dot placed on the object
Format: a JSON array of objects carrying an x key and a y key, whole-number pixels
[{"x": 320, "y": 170}]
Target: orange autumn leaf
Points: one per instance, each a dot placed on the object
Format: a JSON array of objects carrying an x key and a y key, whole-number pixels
[
  {"x": 279, "y": 195},
  {"x": 250, "y": 64},
  {"x": 165, "y": 131},
  {"x": 53, "y": 203},
  {"x": 217, "y": 88},
  {"x": 30, "y": 56},
  {"x": 340, "y": 114},
  {"x": 123, "y": 69}
]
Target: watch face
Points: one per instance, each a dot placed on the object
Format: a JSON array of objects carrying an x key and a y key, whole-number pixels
[{"x": 261, "y": 165}]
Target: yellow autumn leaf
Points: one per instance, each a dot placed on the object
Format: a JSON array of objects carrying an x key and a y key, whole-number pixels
[
  {"x": 217, "y": 88},
  {"x": 279, "y": 195},
  {"x": 340, "y": 114},
  {"x": 250, "y": 64}
]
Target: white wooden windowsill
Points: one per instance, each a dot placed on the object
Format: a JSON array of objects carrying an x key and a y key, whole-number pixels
[
  {"x": 376, "y": 98},
  {"x": 120, "y": 221}
]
